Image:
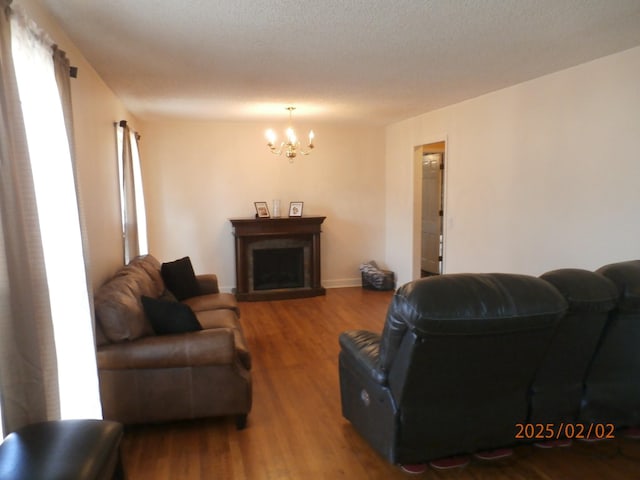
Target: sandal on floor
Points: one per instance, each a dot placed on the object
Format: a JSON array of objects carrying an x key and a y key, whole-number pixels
[
  {"x": 450, "y": 462},
  {"x": 414, "y": 469},
  {"x": 494, "y": 454},
  {"x": 564, "y": 442}
]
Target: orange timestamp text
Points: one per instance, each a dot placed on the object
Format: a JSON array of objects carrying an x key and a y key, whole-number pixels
[{"x": 556, "y": 431}]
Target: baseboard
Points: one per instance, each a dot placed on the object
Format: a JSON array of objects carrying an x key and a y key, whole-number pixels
[
  {"x": 342, "y": 282},
  {"x": 337, "y": 283}
]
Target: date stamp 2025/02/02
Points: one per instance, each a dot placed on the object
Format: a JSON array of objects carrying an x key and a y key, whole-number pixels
[{"x": 556, "y": 431}]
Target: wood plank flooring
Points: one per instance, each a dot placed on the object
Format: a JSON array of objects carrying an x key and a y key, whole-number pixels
[{"x": 296, "y": 430}]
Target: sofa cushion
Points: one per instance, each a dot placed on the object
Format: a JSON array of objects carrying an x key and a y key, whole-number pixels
[
  {"x": 223, "y": 318},
  {"x": 180, "y": 278},
  {"x": 139, "y": 281},
  {"x": 168, "y": 296},
  {"x": 101, "y": 338},
  {"x": 119, "y": 310},
  {"x": 469, "y": 304},
  {"x": 585, "y": 291},
  {"x": 148, "y": 265},
  {"x": 169, "y": 317},
  {"x": 626, "y": 277},
  {"x": 213, "y": 301}
]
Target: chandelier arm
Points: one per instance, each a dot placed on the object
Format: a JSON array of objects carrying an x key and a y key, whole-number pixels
[{"x": 277, "y": 151}]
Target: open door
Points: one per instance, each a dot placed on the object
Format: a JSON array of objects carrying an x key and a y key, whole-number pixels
[{"x": 432, "y": 209}]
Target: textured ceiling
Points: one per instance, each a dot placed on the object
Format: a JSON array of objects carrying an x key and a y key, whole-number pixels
[{"x": 376, "y": 61}]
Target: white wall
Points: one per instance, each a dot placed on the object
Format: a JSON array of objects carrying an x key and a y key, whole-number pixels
[
  {"x": 197, "y": 175},
  {"x": 542, "y": 175},
  {"x": 95, "y": 109}
]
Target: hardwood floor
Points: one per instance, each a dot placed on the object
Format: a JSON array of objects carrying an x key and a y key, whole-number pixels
[{"x": 296, "y": 430}]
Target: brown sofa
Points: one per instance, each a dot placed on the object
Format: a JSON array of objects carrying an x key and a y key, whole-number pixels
[{"x": 148, "y": 377}]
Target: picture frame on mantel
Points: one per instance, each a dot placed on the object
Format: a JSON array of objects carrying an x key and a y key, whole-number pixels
[
  {"x": 262, "y": 209},
  {"x": 295, "y": 209}
]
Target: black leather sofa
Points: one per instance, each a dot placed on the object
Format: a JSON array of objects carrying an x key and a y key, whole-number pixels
[
  {"x": 464, "y": 359},
  {"x": 63, "y": 450},
  {"x": 612, "y": 385},
  {"x": 558, "y": 387}
]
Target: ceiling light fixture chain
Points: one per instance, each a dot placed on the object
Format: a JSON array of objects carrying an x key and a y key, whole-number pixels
[{"x": 291, "y": 147}]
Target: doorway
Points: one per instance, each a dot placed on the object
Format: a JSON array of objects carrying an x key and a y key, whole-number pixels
[{"x": 432, "y": 165}]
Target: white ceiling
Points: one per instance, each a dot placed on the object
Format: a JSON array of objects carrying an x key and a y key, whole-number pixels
[{"x": 375, "y": 61}]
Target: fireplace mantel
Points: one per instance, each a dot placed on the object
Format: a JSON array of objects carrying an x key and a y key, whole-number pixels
[{"x": 251, "y": 232}]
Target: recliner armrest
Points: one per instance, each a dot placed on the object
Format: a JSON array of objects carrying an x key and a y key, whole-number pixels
[
  {"x": 205, "y": 347},
  {"x": 363, "y": 350},
  {"x": 73, "y": 449}
]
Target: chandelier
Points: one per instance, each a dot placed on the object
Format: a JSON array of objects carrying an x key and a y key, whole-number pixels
[{"x": 291, "y": 147}]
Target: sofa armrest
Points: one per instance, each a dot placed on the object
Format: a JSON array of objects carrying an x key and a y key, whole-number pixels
[
  {"x": 205, "y": 347},
  {"x": 362, "y": 349},
  {"x": 208, "y": 283}
]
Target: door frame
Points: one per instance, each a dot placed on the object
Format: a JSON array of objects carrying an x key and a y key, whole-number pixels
[{"x": 417, "y": 204}]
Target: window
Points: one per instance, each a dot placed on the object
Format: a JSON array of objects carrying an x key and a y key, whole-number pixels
[{"x": 132, "y": 206}]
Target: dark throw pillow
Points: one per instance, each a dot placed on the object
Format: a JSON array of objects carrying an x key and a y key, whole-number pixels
[
  {"x": 180, "y": 279},
  {"x": 169, "y": 317}
]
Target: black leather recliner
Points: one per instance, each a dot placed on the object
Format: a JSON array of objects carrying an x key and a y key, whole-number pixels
[
  {"x": 63, "y": 450},
  {"x": 451, "y": 372},
  {"x": 612, "y": 386},
  {"x": 557, "y": 390}
]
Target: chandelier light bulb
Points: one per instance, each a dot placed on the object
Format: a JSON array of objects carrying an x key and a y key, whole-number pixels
[
  {"x": 292, "y": 145},
  {"x": 271, "y": 137},
  {"x": 291, "y": 136}
]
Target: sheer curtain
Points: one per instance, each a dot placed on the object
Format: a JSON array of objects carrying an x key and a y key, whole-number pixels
[
  {"x": 47, "y": 354},
  {"x": 134, "y": 219},
  {"x": 62, "y": 70},
  {"x": 28, "y": 369}
]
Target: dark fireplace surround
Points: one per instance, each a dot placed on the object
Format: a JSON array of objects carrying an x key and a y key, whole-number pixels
[{"x": 277, "y": 258}]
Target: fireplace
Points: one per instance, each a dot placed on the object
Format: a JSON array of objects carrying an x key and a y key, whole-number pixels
[
  {"x": 276, "y": 268},
  {"x": 277, "y": 258}
]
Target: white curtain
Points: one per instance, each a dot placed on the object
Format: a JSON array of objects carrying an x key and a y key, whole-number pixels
[
  {"x": 134, "y": 219},
  {"x": 47, "y": 352},
  {"x": 28, "y": 367}
]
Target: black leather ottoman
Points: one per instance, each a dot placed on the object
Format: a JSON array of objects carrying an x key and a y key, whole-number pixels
[{"x": 63, "y": 450}]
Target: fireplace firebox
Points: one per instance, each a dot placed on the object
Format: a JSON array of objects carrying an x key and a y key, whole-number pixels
[
  {"x": 275, "y": 268},
  {"x": 277, "y": 258}
]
